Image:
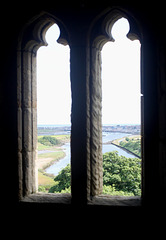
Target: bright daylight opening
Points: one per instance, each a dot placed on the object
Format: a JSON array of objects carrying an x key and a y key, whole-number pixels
[
  {"x": 53, "y": 115},
  {"x": 121, "y": 112}
]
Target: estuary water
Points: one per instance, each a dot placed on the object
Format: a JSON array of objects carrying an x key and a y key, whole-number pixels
[{"x": 107, "y": 136}]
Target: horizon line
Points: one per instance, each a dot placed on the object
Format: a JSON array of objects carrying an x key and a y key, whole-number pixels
[{"x": 104, "y": 124}]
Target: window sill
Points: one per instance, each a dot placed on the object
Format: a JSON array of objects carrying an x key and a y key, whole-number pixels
[
  {"x": 107, "y": 200},
  {"x": 101, "y": 200},
  {"x": 48, "y": 198}
]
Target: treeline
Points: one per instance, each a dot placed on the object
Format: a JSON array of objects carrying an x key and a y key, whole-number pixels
[{"x": 48, "y": 141}]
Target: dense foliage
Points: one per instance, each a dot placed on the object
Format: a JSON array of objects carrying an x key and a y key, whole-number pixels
[
  {"x": 48, "y": 141},
  {"x": 124, "y": 174},
  {"x": 132, "y": 145},
  {"x": 121, "y": 176}
]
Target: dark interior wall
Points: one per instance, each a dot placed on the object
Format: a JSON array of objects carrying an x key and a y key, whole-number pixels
[{"x": 78, "y": 15}]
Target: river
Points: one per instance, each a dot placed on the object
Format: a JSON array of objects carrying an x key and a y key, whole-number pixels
[{"x": 107, "y": 136}]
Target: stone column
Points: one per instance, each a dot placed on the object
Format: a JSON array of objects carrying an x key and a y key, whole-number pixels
[{"x": 96, "y": 159}]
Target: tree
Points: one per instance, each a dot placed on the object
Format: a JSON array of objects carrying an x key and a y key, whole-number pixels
[
  {"x": 48, "y": 141},
  {"x": 122, "y": 173},
  {"x": 63, "y": 180}
]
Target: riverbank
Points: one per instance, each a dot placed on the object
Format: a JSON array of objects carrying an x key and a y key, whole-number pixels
[
  {"x": 132, "y": 138},
  {"x": 117, "y": 141},
  {"x": 125, "y": 149},
  {"x": 48, "y": 154},
  {"x": 45, "y": 160}
]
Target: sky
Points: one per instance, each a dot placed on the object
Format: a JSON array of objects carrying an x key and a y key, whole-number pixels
[
  {"x": 120, "y": 79},
  {"x": 53, "y": 81}
]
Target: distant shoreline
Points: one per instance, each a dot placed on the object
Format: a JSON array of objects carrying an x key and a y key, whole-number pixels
[{"x": 133, "y": 129}]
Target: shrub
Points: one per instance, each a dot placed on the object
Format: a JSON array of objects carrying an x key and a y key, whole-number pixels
[
  {"x": 63, "y": 180},
  {"x": 48, "y": 141},
  {"x": 124, "y": 174}
]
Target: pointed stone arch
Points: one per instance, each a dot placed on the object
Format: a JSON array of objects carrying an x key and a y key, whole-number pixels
[{"x": 102, "y": 26}]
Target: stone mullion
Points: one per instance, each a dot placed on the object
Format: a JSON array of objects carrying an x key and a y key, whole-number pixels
[
  {"x": 96, "y": 124},
  {"x": 80, "y": 128}
]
